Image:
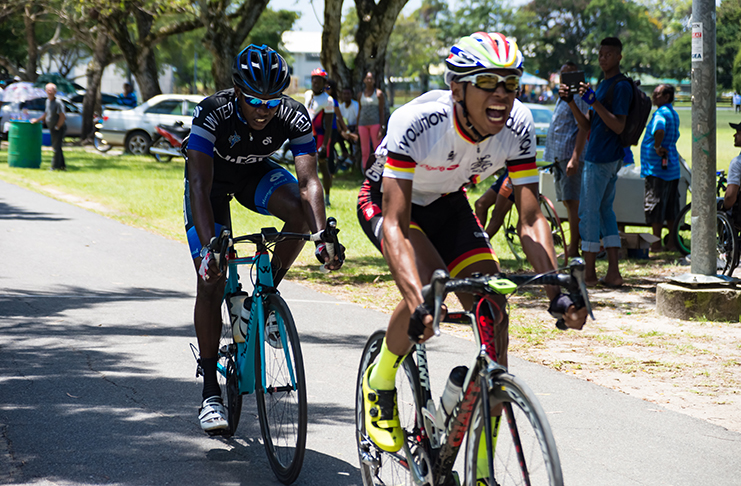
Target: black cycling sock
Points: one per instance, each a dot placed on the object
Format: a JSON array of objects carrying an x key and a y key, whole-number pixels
[{"x": 210, "y": 384}]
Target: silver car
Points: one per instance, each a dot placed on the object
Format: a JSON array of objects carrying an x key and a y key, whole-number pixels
[
  {"x": 34, "y": 108},
  {"x": 135, "y": 129}
]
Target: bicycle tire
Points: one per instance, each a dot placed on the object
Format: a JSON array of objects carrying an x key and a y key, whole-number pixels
[
  {"x": 682, "y": 230},
  {"x": 378, "y": 467},
  {"x": 560, "y": 244},
  {"x": 227, "y": 375},
  {"x": 526, "y": 424},
  {"x": 725, "y": 244},
  {"x": 281, "y": 409},
  {"x": 512, "y": 236}
]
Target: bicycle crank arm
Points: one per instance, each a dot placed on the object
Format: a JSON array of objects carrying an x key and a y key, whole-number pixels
[{"x": 418, "y": 477}]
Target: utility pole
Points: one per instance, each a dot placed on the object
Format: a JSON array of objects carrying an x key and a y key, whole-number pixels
[{"x": 703, "y": 138}]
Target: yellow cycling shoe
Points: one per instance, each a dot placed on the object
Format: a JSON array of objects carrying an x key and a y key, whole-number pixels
[{"x": 382, "y": 416}]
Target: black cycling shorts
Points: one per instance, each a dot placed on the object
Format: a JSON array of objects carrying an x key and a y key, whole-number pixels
[
  {"x": 251, "y": 184},
  {"x": 449, "y": 223}
]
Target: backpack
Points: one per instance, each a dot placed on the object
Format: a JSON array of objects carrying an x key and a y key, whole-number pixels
[{"x": 638, "y": 112}]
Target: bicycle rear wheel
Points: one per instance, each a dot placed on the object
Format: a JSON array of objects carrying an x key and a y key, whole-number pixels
[
  {"x": 226, "y": 373},
  {"x": 281, "y": 406},
  {"x": 525, "y": 450},
  {"x": 378, "y": 467},
  {"x": 560, "y": 244}
]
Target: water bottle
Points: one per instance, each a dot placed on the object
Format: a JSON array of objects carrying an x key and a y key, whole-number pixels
[
  {"x": 452, "y": 390},
  {"x": 237, "y": 303},
  {"x": 664, "y": 162}
]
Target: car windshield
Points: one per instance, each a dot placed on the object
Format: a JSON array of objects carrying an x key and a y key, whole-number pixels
[
  {"x": 167, "y": 107},
  {"x": 542, "y": 116}
]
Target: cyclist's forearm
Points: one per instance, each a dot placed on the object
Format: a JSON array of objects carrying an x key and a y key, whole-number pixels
[{"x": 537, "y": 243}]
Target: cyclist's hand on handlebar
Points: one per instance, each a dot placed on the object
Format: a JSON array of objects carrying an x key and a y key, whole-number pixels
[
  {"x": 330, "y": 263},
  {"x": 562, "y": 307},
  {"x": 209, "y": 268},
  {"x": 420, "y": 323}
]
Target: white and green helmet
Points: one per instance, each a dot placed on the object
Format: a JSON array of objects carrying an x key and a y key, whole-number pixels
[{"x": 481, "y": 52}]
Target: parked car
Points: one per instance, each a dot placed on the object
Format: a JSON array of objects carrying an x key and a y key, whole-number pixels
[
  {"x": 542, "y": 117},
  {"x": 109, "y": 101},
  {"x": 34, "y": 108},
  {"x": 135, "y": 129}
]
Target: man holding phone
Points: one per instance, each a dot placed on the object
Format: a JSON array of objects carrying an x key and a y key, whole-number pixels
[
  {"x": 564, "y": 145},
  {"x": 603, "y": 158}
]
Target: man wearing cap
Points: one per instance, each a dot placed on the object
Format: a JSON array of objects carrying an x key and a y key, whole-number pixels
[
  {"x": 321, "y": 108},
  {"x": 730, "y": 202}
]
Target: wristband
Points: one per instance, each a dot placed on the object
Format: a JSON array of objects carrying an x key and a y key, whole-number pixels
[
  {"x": 589, "y": 96},
  {"x": 559, "y": 305}
]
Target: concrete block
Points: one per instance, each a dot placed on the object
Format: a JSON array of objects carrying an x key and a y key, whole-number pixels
[{"x": 714, "y": 304}]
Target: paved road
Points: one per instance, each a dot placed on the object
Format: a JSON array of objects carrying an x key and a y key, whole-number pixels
[{"x": 97, "y": 380}]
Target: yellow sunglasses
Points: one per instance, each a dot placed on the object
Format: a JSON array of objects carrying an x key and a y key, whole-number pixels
[{"x": 490, "y": 81}]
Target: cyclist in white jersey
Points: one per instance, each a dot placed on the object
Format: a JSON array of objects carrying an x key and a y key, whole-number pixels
[{"x": 413, "y": 205}]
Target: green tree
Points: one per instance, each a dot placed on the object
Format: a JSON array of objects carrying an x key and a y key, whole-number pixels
[{"x": 728, "y": 40}]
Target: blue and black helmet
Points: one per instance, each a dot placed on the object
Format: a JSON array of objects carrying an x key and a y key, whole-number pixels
[{"x": 260, "y": 71}]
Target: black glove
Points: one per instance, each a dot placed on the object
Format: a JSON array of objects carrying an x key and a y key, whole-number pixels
[
  {"x": 559, "y": 305},
  {"x": 417, "y": 323}
]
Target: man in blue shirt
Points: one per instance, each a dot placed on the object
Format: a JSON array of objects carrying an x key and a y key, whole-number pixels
[
  {"x": 660, "y": 165},
  {"x": 602, "y": 161},
  {"x": 128, "y": 97}
]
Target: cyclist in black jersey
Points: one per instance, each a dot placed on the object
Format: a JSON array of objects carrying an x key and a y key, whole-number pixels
[{"x": 233, "y": 133}]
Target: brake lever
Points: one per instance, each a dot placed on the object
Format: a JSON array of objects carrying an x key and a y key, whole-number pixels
[
  {"x": 435, "y": 298},
  {"x": 577, "y": 272}
]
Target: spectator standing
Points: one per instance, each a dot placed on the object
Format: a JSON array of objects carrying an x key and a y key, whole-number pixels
[
  {"x": 564, "y": 145},
  {"x": 602, "y": 160},
  {"x": 660, "y": 165},
  {"x": 321, "y": 109},
  {"x": 736, "y": 102},
  {"x": 338, "y": 126},
  {"x": 349, "y": 109},
  {"x": 128, "y": 97},
  {"x": 371, "y": 118},
  {"x": 731, "y": 200},
  {"x": 55, "y": 119}
]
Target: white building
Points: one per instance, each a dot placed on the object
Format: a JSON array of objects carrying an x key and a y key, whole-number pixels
[{"x": 306, "y": 47}]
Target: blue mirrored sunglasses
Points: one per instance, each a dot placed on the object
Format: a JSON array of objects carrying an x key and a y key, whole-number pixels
[{"x": 257, "y": 102}]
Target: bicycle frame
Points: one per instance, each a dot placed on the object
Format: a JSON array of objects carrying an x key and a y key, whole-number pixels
[
  {"x": 245, "y": 355},
  {"x": 446, "y": 443}
]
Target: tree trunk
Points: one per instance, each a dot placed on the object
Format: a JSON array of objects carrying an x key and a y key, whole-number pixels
[
  {"x": 29, "y": 20},
  {"x": 375, "y": 23},
  {"x": 91, "y": 102}
]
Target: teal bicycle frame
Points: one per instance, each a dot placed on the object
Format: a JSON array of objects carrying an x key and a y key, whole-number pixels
[{"x": 245, "y": 356}]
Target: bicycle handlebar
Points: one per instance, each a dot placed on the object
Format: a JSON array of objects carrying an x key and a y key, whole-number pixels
[
  {"x": 441, "y": 284},
  {"x": 270, "y": 235}
]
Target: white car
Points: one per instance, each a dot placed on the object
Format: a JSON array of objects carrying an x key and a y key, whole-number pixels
[
  {"x": 542, "y": 116},
  {"x": 135, "y": 129}
]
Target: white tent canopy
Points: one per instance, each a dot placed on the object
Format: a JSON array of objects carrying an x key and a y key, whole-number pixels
[{"x": 530, "y": 79}]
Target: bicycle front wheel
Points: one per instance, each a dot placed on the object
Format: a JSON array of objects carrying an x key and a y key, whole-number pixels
[
  {"x": 378, "y": 467},
  {"x": 227, "y": 374},
  {"x": 525, "y": 451},
  {"x": 281, "y": 404},
  {"x": 559, "y": 236}
]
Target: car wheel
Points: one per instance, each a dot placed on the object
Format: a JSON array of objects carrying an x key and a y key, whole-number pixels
[
  {"x": 138, "y": 143},
  {"x": 101, "y": 145}
]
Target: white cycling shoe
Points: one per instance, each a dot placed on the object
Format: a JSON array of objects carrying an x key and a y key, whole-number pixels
[{"x": 212, "y": 415}]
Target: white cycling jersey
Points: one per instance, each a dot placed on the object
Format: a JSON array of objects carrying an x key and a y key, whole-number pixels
[{"x": 426, "y": 144}]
